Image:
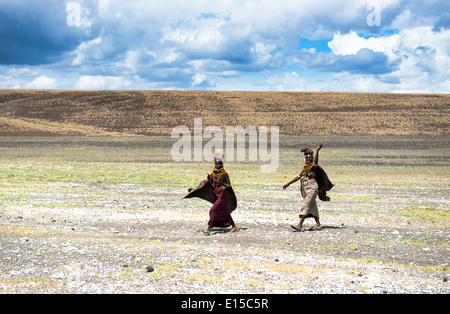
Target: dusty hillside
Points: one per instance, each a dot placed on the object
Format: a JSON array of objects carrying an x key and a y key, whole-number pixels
[{"x": 53, "y": 113}]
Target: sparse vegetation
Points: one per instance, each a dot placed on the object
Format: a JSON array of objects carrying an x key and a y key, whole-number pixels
[{"x": 88, "y": 214}]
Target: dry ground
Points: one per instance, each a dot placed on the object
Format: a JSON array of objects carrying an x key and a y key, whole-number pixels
[
  {"x": 90, "y": 215},
  {"x": 81, "y": 113}
]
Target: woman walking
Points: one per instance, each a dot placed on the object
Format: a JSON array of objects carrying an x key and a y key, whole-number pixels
[
  {"x": 217, "y": 190},
  {"x": 310, "y": 176}
]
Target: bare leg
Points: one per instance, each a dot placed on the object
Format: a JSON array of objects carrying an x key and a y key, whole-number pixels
[
  {"x": 318, "y": 225},
  {"x": 233, "y": 225},
  {"x": 300, "y": 224}
]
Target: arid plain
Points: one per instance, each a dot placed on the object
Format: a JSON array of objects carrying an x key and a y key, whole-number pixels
[{"x": 90, "y": 198}]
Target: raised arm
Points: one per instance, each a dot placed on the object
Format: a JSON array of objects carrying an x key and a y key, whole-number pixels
[{"x": 316, "y": 159}]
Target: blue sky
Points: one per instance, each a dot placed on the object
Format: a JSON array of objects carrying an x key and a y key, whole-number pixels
[{"x": 291, "y": 45}]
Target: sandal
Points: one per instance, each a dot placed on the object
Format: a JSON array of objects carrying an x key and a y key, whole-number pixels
[
  {"x": 317, "y": 227},
  {"x": 207, "y": 232},
  {"x": 296, "y": 228},
  {"x": 234, "y": 229}
]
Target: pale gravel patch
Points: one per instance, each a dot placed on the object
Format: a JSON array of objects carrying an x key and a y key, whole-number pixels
[{"x": 95, "y": 238}]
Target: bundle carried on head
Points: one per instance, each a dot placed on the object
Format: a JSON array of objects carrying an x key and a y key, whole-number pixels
[{"x": 218, "y": 155}]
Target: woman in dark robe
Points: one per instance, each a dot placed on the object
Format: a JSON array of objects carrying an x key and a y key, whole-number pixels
[
  {"x": 219, "y": 215},
  {"x": 217, "y": 190}
]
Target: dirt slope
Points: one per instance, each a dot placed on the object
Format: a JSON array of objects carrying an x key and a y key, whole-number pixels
[{"x": 86, "y": 113}]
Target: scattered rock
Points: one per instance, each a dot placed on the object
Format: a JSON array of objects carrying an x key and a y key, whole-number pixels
[{"x": 268, "y": 259}]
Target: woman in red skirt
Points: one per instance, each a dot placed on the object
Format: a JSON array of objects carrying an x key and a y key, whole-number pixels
[
  {"x": 219, "y": 215},
  {"x": 217, "y": 190}
]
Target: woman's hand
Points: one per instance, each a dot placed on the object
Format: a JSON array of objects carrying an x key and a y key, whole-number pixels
[
  {"x": 320, "y": 146},
  {"x": 219, "y": 189},
  {"x": 285, "y": 186}
]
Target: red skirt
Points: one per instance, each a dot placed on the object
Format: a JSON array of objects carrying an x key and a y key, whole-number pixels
[{"x": 219, "y": 216}]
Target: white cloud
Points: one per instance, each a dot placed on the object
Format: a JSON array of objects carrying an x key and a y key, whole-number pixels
[
  {"x": 197, "y": 37},
  {"x": 340, "y": 82},
  {"x": 85, "y": 48},
  {"x": 425, "y": 36},
  {"x": 198, "y": 79},
  {"x": 132, "y": 61},
  {"x": 204, "y": 40},
  {"x": 22, "y": 72},
  {"x": 289, "y": 81},
  {"x": 98, "y": 82},
  {"x": 421, "y": 54},
  {"x": 351, "y": 43},
  {"x": 42, "y": 82}
]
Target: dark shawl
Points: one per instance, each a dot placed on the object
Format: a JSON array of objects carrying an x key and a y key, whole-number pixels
[
  {"x": 324, "y": 184},
  {"x": 205, "y": 192}
]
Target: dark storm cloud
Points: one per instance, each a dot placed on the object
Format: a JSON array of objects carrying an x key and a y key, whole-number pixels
[
  {"x": 33, "y": 32},
  {"x": 365, "y": 61}
]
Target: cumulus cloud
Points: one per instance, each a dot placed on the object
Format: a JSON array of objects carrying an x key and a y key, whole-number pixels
[
  {"x": 210, "y": 44},
  {"x": 201, "y": 81},
  {"x": 413, "y": 52},
  {"x": 85, "y": 48},
  {"x": 351, "y": 43},
  {"x": 96, "y": 82},
  {"x": 42, "y": 82},
  {"x": 289, "y": 81}
]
